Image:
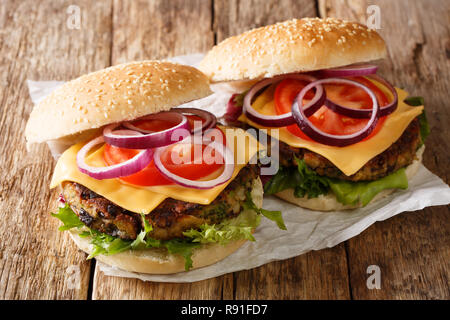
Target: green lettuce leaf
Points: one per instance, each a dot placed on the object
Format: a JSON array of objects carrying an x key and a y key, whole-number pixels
[
  {"x": 105, "y": 244},
  {"x": 68, "y": 218},
  {"x": 415, "y": 101},
  {"x": 424, "y": 126},
  {"x": 230, "y": 230},
  {"x": 348, "y": 192},
  {"x": 303, "y": 180},
  {"x": 183, "y": 248},
  {"x": 271, "y": 215},
  {"x": 109, "y": 245},
  {"x": 140, "y": 239},
  {"x": 306, "y": 182}
]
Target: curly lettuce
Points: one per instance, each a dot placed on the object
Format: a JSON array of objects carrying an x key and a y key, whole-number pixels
[
  {"x": 234, "y": 229},
  {"x": 307, "y": 182},
  {"x": 303, "y": 180},
  {"x": 230, "y": 230},
  {"x": 108, "y": 245},
  {"x": 68, "y": 218}
]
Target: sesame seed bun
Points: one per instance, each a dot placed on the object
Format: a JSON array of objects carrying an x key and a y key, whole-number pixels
[
  {"x": 328, "y": 202},
  {"x": 122, "y": 92},
  {"x": 292, "y": 46}
]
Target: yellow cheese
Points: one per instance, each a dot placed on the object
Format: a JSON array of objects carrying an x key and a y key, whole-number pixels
[
  {"x": 351, "y": 158},
  {"x": 145, "y": 199}
]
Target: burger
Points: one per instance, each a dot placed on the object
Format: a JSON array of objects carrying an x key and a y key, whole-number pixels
[
  {"x": 145, "y": 186},
  {"x": 345, "y": 136}
]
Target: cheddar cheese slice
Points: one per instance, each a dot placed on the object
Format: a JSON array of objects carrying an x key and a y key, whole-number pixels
[
  {"x": 145, "y": 199},
  {"x": 351, "y": 158}
]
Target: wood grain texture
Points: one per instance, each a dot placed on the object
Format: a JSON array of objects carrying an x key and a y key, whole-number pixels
[
  {"x": 158, "y": 29},
  {"x": 232, "y": 17},
  {"x": 411, "y": 249},
  {"x": 315, "y": 275},
  {"x": 106, "y": 288},
  {"x": 36, "y": 260}
]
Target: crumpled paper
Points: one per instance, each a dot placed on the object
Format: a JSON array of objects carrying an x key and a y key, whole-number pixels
[{"x": 307, "y": 230}]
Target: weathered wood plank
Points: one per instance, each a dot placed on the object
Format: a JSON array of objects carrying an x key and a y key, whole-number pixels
[
  {"x": 412, "y": 249},
  {"x": 36, "y": 260},
  {"x": 122, "y": 288},
  {"x": 234, "y": 17},
  {"x": 160, "y": 29},
  {"x": 323, "y": 274},
  {"x": 315, "y": 275},
  {"x": 153, "y": 30}
]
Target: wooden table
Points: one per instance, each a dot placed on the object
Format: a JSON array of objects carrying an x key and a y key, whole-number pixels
[{"x": 38, "y": 41}]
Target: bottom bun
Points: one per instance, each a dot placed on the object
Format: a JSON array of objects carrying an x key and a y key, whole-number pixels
[
  {"x": 328, "y": 202},
  {"x": 159, "y": 260}
]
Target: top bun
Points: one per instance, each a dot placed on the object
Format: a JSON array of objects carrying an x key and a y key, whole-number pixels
[
  {"x": 123, "y": 92},
  {"x": 292, "y": 46}
]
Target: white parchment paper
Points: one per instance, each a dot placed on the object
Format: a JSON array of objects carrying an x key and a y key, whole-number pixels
[{"x": 307, "y": 230}]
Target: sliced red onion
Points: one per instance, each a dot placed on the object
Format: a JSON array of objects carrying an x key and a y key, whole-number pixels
[
  {"x": 392, "y": 106},
  {"x": 350, "y": 71},
  {"x": 150, "y": 139},
  {"x": 226, "y": 174},
  {"x": 284, "y": 119},
  {"x": 329, "y": 139},
  {"x": 61, "y": 199},
  {"x": 366, "y": 113},
  {"x": 210, "y": 119},
  {"x": 135, "y": 164}
]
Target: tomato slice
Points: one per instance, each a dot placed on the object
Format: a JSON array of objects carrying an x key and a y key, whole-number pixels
[
  {"x": 325, "y": 119},
  {"x": 149, "y": 176},
  {"x": 191, "y": 167}
]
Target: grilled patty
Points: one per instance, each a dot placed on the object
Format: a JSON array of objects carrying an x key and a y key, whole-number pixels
[
  {"x": 398, "y": 155},
  {"x": 169, "y": 219}
]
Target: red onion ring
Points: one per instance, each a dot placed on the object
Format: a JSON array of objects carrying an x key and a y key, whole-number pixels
[
  {"x": 329, "y": 139},
  {"x": 284, "y": 119},
  {"x": 392, "y": 106},
  {"x": 226, "y": 174},
  {"x": 350, "y": 71},
  {"x": 366, "y": 113},
  {"x": 61, "y": 199},
  {"x": 150, "y": 139},
  {"x": 135, "y": 164},
  {"x": 210, "y": 119},
  {"x": 233, "y": 110}
]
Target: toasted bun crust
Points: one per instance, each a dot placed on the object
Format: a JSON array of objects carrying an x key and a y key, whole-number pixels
[
  {"x": 328, "y": 202},
  {"x": 292, "y": 46},
  {"x": 159, "y": 261},
  {"x": 123, "y": 92}
]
